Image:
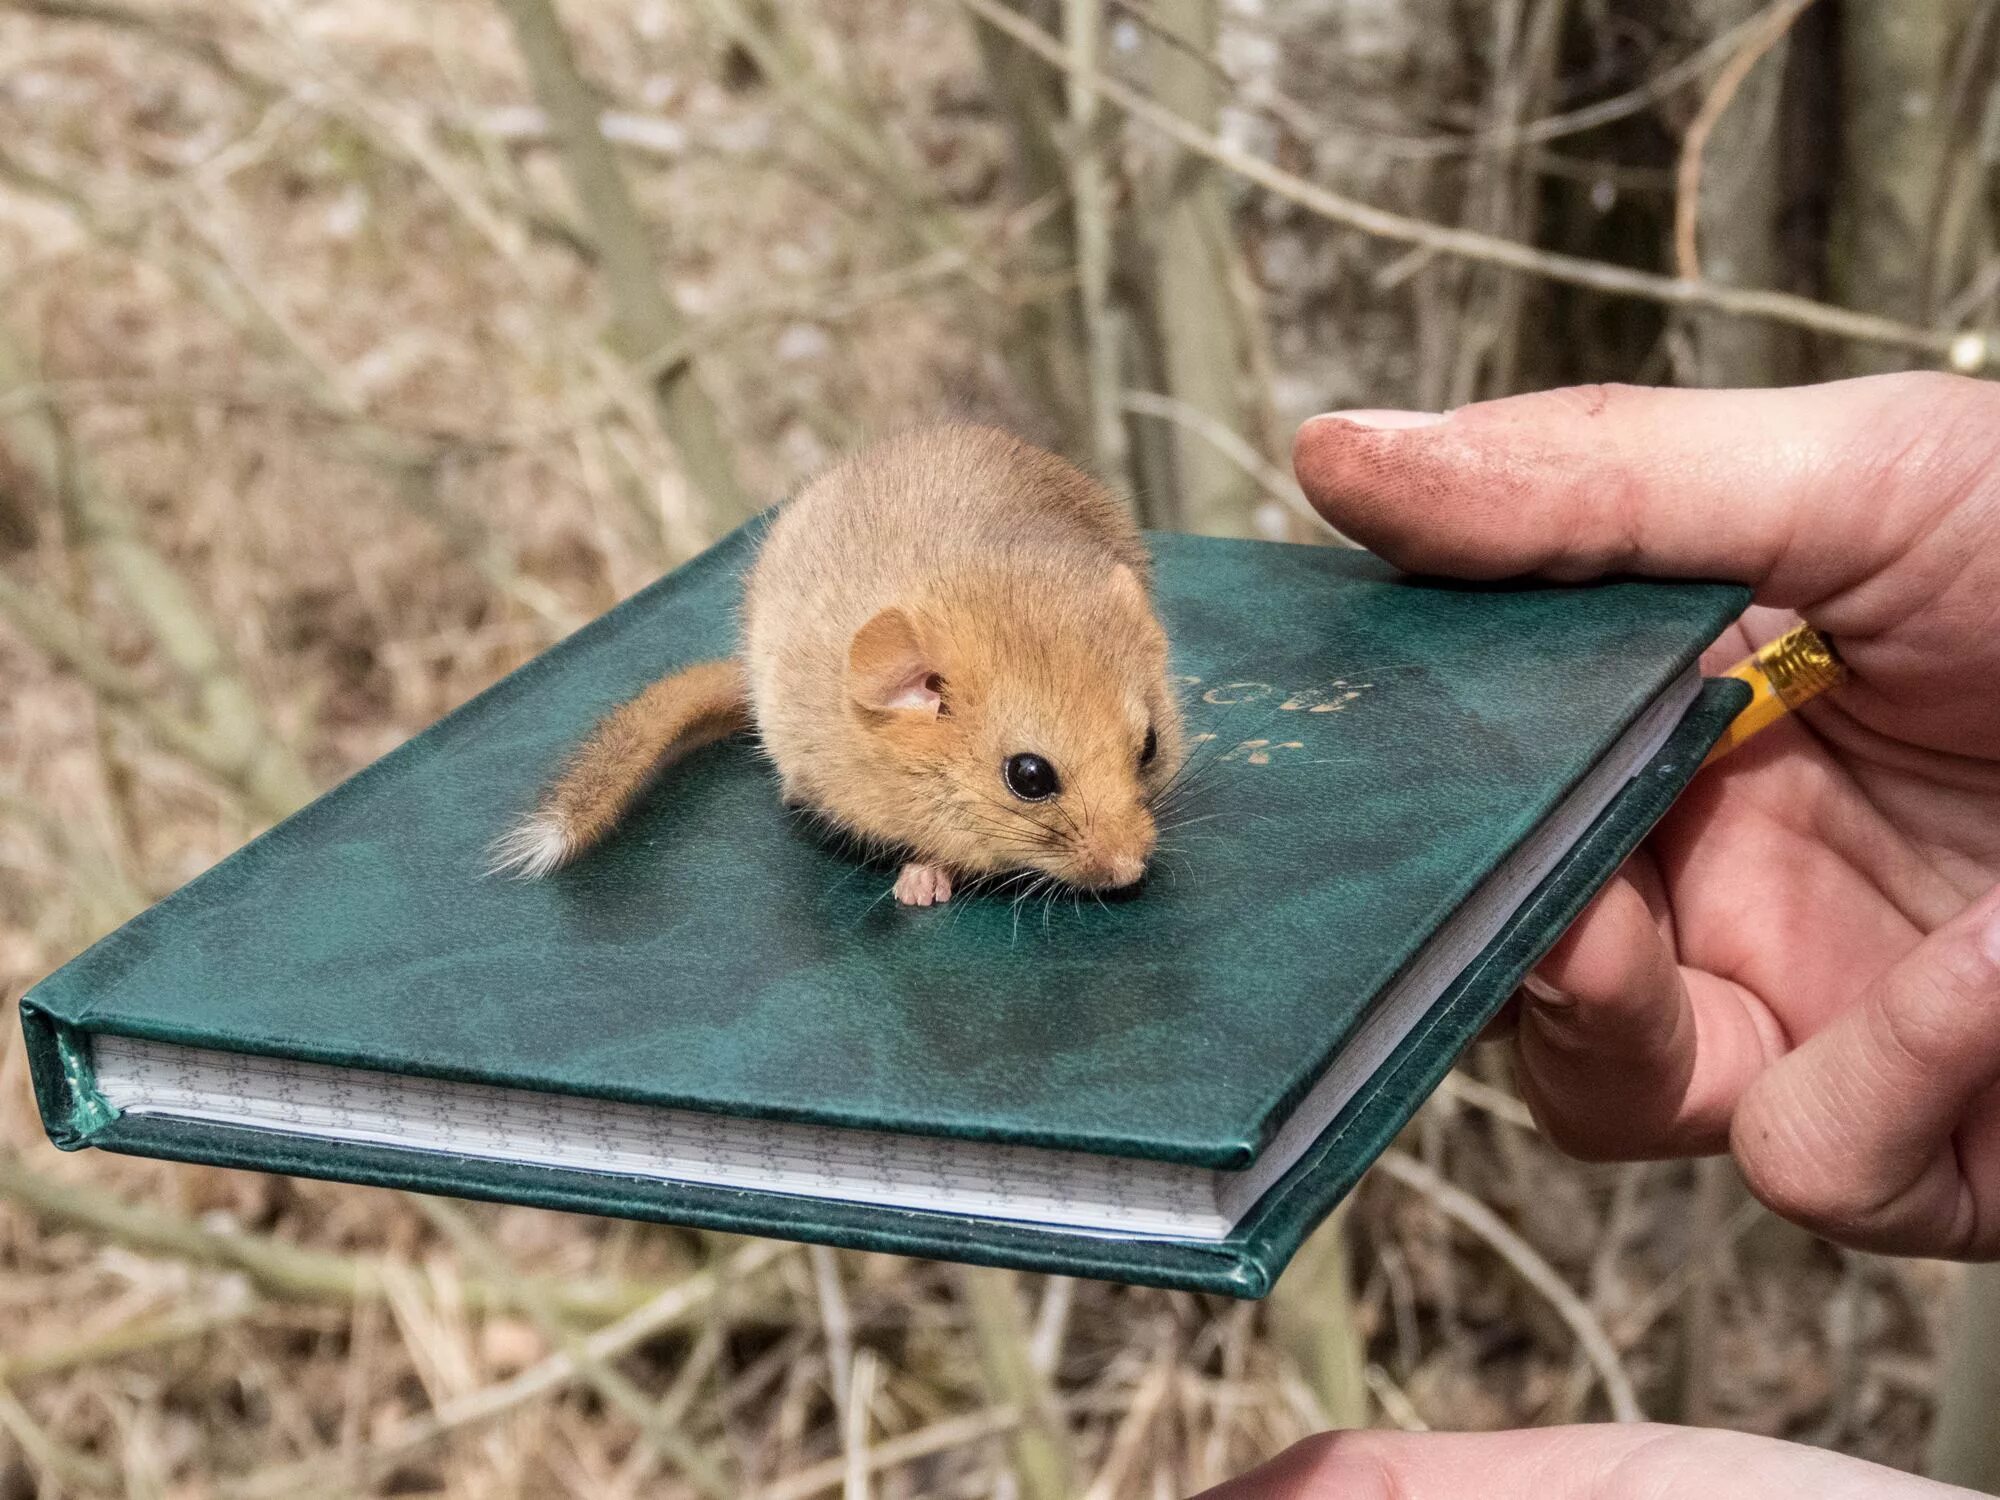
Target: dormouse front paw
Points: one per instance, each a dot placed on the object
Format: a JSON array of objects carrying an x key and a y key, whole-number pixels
[{"x": 923, "y": 885}]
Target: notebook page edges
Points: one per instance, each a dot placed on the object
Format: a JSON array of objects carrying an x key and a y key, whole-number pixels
[{"x": 977, "y": 1179}]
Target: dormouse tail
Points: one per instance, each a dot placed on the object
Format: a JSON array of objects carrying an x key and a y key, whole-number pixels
[{"x": 607, "y": 773}]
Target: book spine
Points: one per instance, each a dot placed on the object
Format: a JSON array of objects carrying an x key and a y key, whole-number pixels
[{"x": 65, "y": 1081}]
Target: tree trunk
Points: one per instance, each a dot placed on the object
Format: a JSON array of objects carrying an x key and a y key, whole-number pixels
[
  {"x": 1965, "y": 1443},
  {"x": 1738, "y": 219},
  {"x": 1896, "y": 140}
]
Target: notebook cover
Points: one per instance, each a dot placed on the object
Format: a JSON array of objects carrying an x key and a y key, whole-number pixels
[{"x": 1379, "y": 744}]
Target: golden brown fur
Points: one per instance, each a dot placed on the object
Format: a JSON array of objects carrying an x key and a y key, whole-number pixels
[
  {"x": 609, "y": 771},
  {"x": 919, "y": 613}
]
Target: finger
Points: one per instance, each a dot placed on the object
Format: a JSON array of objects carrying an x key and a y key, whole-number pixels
[
  {"x": 1684, "y": 483},
  {"x": 1602, "y": 1462},
  {"x": 1625, "y": 1055},
  {"x": 1855, "y": 1135}
]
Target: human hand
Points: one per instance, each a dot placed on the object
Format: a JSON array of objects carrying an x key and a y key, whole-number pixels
[
  {"x": 1604, "y": 1462},
  {"x": 1802, "y": 963}
]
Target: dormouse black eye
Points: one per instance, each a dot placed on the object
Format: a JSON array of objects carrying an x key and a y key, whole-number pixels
[
  {"x": 1151, "y": 748},
  {"x": 1030, "y": 778}
]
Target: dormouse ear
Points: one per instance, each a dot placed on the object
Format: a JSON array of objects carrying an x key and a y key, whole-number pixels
[{"x": 889, "y": 669}]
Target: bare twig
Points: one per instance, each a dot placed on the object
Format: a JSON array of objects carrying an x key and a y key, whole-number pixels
[
  {"x": 1766, "y": 31},
  {"x": 1310, "y": 1318},
  {"x": 1313, "y": 124},
  {"x": 837, "y": 1322},
  {"x": 176, "y": 1325},
  {"x": 1467, "y": 1211},
  {"x": 1042, "y": 1455},
  {"x": 1484, "y": 1096},
  {"x": 1128, "y": 1441},
  {"x": 162, "y": 28},
  {"x": 671, "y": 1308},
  {"x": 838, "y": 117},
  {"x": 645, "y": 318},
  {"x": 274, "y": 1267},
  {"x": 1394, "y": 1400},
  {"x": 533, "y": 1299},
  {"x": 1960, "y": 351},
  {"x": 1083, "y": 31},
  {"x": 1045, "y": 1344},
  {"x": 63, "y": 1465},
  {"x": 234, "y": 740},
  {"x": 1195, "y": 334},
  {"x": 856, "y": 1411},
  {"x": 939, "y": 1437},
  {"x": 1231, "y": 444}
]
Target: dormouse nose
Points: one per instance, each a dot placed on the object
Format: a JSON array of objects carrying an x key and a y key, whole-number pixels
[
  {"x": 1117, "y": 855},
  {"x": 1124, "y": 869}
]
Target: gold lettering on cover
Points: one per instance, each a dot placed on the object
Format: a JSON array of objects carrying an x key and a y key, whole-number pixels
[
  {"x": 1244, "y": 692},
  {"x": 1330, "y": 699},
  {"x": 1258, "y": 752}
]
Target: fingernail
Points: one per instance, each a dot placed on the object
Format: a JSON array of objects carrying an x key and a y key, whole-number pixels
[
  {"x": 1541, "y": 991},
  {"x": 1369, "y": 417}
]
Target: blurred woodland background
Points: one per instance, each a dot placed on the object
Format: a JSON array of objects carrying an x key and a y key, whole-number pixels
[{"x": 353, "y": 351}]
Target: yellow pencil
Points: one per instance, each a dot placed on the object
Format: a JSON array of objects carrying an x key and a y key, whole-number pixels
[{"x": 1791, "y": 671}]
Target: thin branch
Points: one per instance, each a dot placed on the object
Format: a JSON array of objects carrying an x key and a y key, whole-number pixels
[
  {"x": 1484, "y": 1096},
  {"x": 1090, "y": 208},
  {"x": 478, "y": 1248},
  {"x": 893, "y": 1453},
  {"x": 857, "y": 1406},
  {"x": 110, "y": 895},
  {"x": 670, "y": 1309},
  {"x": 644, "y": 317},
  {"x": 1467, "y": 1211},
  {"x": 1130, "y": 1438},
  {"x": 164, "y": 29},
  {"x": 281, "y": 1270},
  {"x": 141, "y": 1336},
  {"x": 836, "y": 1320},
  {"x": 1968, "y": 353},
  {"x": 1767, "y": 30},
  {"x": 839, "y": 118},
  {"x": 1313, "y": 125},
  {"x": 1042, "y": 1451},
  {"x": 243, "y": 747},
  {"x": 63, "y": 1465},
  {"x": 57, "y": 633},
  {"x": 1232, "y": 445}
]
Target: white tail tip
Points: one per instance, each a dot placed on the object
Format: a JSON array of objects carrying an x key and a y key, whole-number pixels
[{"x": 534, "y": 847}]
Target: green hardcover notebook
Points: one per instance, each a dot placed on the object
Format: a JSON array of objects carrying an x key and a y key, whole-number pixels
[{"x": 718, "y": 1019}]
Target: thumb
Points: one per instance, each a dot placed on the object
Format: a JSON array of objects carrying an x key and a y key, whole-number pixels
[
  {"x": 1739, "y": 485},
  {"x": 1883, "y": 1131},
  {"x": 1605, "y": 1461}
]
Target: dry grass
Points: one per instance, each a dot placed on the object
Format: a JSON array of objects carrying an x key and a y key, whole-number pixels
[{"x": 319, "y": 326}]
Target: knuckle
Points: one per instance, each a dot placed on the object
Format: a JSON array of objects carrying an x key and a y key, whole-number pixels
[
  {"x": 1591, "y": 400},
  {"x": 1949, "y": 428}
]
